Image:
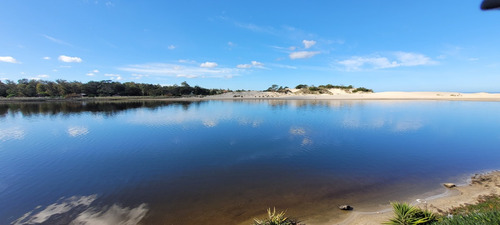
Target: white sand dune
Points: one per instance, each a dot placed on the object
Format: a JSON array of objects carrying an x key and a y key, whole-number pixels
[{"x": 337, "y": 94}]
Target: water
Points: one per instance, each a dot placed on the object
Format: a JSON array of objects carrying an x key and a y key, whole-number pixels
[{"x": 226, "y": 162}]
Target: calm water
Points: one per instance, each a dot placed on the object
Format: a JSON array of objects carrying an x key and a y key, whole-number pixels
[{"x": 225, "y": 162}]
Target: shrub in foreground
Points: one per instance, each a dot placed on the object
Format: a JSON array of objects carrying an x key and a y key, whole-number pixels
[
  {"x": 275, "y": 218},
  {"x": 405, "y": 214}
]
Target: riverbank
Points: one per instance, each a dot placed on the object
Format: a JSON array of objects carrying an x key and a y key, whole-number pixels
[
  {"x": 341, "y": 95},
  {"x": 263, "y": 95},
  {"x": 479, "y": 184}
]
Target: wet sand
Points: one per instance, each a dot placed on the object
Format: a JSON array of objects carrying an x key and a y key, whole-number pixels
[{"x": 479, "y": 184}]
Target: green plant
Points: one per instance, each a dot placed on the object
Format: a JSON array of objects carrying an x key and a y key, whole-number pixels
[
  {"x": 275, "y": 218},
  {"x": 484, "y": 218},
  {"x": 405, "y": 214},
  {"x": 485, "y": 211},
  {"x": 484, "y": 203}
]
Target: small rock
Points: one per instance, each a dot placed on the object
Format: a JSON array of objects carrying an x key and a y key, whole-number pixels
[
  {"x": 345, "y": 207},
  {"x": 449, "y": 185}
]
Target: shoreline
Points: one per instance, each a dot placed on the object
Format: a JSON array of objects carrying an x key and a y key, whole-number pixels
[
  {"x": 262, "y": 95},
  {"x": 477, "y": 184},
  {"x": 445, "y": 96}
]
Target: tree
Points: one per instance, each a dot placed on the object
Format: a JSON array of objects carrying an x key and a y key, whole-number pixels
[
  {"x": 273, "y": 88},
  {"x": 3, "y": 89},
  {"x": 300, "y": 86}
]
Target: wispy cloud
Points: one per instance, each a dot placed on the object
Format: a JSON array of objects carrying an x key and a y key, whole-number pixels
[
  {"x": 396, "y": 59},
  {"x": 39, "y": 77},
  {"x": 303, "y": 54},
  {"x": 92, "y": 73},
  {"x": 46, "y": 58},
  {"x": 176, "y": 70},
  {"x": 114, "y": 76},
  {"x": 171, "y": 47},
  {"x": 57, "y": 41},
  {"x": 308, "y": 44},
  {"x": 8, "y": 59},
  {"x": 209, "y": 65},
  {"x": 254, "y": 64},
  {"x": 69, "y": 59}
]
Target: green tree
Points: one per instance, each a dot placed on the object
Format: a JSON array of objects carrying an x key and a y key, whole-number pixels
[{"x": 300, "y": 86}]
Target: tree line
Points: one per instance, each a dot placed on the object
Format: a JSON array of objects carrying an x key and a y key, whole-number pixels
[{"x": 67, "y": 89}]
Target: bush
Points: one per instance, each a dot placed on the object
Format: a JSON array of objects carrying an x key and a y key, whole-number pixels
[
  {"x": 275, "y": 219},
  {"x": 405, "y": 214},
  {"x": 486, "y": 218}
]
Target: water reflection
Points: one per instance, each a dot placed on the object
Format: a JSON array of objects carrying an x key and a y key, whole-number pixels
[
  {"x": 77, "y": 131},
  {"x": 12, "y": 133},
  {"x": 80, "y": 210},
  {"x": 66, "y": 108},
  {"x": 226, "y": 162}
]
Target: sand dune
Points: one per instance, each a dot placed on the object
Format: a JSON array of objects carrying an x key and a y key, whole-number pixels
[{"x": 342, "y": 95}]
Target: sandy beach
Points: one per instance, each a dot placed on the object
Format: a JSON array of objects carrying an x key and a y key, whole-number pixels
[
  {"x": 479, "y": 184},
  {"x": 337, "y": 94}
]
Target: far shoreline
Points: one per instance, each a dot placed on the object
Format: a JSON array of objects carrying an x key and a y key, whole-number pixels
[{"x": 263, "y": 95}]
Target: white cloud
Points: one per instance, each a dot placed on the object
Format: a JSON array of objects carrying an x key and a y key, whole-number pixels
[
  {"x": 175, "y": 70},
  {"x": 396, "y": 59},
  {"x": 114, "y": 76},
  {"x": 38, "y": 77},
  {"x": 308, "y": 44},
  {"x": 187, "y": 61},
  {"x": 46, "y": 58},
  {"x": 356, "y": 63},
  {"x": 292, "y": 48},
  {"x": 171, "y": 47},
  {"x": 413, "y": 59},
  {"x": 190, "y": 76},
  {"x": 303, "y": 54},
  {"x": 254, "y": 64},
  {"x": 92, "y": 73},
  {"x": 244, "y": 66},
  {"x": 138, "y": 76},
  {"x": 69, "y": 59},
  {"x": 208, "y": 65},
  {"x": 8, "y": 59},
  {"x": 257, "y": 64},
  {"x": 231, "y": 44}
]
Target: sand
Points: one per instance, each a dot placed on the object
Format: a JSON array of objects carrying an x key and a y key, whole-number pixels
[
  {"x": 479, "y": 184},
  {"x": 337, "y": 94}
]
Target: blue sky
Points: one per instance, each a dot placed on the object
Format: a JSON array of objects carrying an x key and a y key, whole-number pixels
[{"x": 386, "y": 45}]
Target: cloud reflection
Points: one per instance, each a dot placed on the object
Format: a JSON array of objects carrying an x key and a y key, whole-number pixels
[
  {"x": 114, "y": 215},
  {"x": 77, "y": 211},
  {"x": 77, "y": 131},
  {"x": 13, "y": 133},
  {"x": 36, "y": 217}
]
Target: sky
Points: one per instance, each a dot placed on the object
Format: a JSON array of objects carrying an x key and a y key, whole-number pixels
[{"x": 385, "y": 45}]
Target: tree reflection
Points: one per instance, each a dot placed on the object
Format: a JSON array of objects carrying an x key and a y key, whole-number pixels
[{"x": 101, "y": 108}]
